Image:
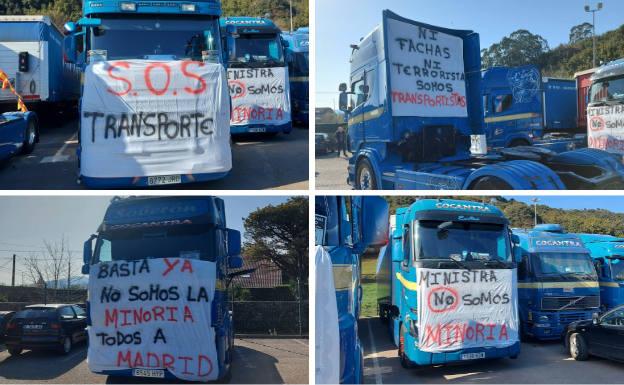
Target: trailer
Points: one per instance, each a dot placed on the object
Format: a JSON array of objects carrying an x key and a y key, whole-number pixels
[
  {"x": 607, "y": 252},
  {"x": 31, "y": 54},
  {"x": 522, "y": 108},
  {"x": 415, "y": 116},
  {"x": 583, "y": 82}
]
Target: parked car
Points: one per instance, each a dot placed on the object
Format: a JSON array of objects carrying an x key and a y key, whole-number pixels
[
  {"x": 602, "y": 336},
  {"x": 5, "y": 316},
  {"x": 56, "y": 326},
  {"x": 324, "y": 145}
]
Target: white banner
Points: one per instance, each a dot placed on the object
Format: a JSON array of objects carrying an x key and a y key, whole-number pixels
[
  {"x": 153, "y": 314},
  {"x": 605, "y": 126},
  {"x": 460, "y": 309},
  {"x": 259, "y": 96},
  {"x": 148, "y": 118},
  {"x": 426, "y": 71}
]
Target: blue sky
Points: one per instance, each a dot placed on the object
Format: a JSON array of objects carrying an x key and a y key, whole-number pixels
[
  {"x": 611, "y": 203},
  {"x": 340, "y": 23},
  {"x": 27, "y": 221}
]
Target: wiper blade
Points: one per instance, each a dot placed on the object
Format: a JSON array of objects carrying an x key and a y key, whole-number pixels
[
  {"x": 460, "y": 264},
  {"x": 497, "y": 262}
]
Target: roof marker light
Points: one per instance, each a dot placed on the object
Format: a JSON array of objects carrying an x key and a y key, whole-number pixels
[
  {"x": 128, "y": 7},
  {"x": 188, "y": 7}
]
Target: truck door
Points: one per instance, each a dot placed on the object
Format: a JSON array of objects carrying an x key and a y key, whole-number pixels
[
  {"x": 500, "y": 123},
  {"x": 356, "y": 103}
]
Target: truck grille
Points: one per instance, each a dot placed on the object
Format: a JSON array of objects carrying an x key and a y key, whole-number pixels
[
  {"x": 579, "y": 302},
  {"x": 565, "y": 319}
]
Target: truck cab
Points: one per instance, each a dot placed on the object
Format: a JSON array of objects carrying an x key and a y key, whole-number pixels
[
  {"x": 345, "y": 228},
  {"x": 174, "y": 247},
  {"x": 557, "y": 282},
  {"x": 522, "y": 108},
  {"x": 297, "y": 57},
  {"x": 607, "y": 252},
  {"x": 456, "y": 242},
  {"x": 257, "y": 76}
]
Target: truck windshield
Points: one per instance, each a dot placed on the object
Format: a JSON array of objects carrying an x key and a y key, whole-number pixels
[
  {"x": 564, "y": 264},
  {"x": 192, "y": 242},
  {"x": 607, "y": 90},
  {"x": 299, "y": 64},
  {"x": 617, "y": 269},
  {"x": 144, "y": 38},
  {"x": 264, "y": 49},
  {"x": 470, "y": 241}
]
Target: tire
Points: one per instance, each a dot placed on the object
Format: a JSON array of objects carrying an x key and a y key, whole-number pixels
[
  {"x": 578, "y": 347},
  {"x": 30, "y": 137},
  {"x": 519, "y": 143},
  {"x": 66, "y": 346},
  {"x": 15, "y": 350},
  {"x": 405, "y": 362},
  {"x": 490, "y": 183},
  {"x": 365, "y": 176}
]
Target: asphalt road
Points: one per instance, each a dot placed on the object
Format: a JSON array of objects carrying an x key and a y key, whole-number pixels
[
  {"x": 331, "y": 172},
  {"x": 541, "y": 363},
  {"x": 256, "y": 361},
  {"x": 259, "y": 163}
]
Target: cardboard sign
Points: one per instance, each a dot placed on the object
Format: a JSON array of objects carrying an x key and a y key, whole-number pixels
[
  {"x": 259, "y": 96},
  {"x": 605, "y": 128},
  {"x": 460, "y": 309},
  {"x": 426, "y": 72},
  {"x": 153, "y": 314},
  {"x": 148, "y": 118}
]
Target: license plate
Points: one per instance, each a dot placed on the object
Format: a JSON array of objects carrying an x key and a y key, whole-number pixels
[
  {"x": 257, "y": 129},
  {"x": 31, "y": 327},
  {"x": 163, "y": 180},
  {"x": 473, "y": 356},
  {"x": 153, "y": 373}
]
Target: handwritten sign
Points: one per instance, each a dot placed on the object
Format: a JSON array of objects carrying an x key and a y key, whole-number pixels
[
  {"x": 153, "y": 314},
  {"x": 259, "y": 96},
  {"x": 426, "y": 71},
  {"x": 461, "y": 309},
  {"x": 146, "y": 118},
  {"x": 605, "y": 126}
]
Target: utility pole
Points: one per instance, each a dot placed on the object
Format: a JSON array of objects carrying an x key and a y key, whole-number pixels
[
  {"x": 535, "y": 200},
  {"x": 13, "y": 273},
  {"x": 593, "y": 11},
  {"x": 68, "y": 273},
  {"x": 291, "y": 19}
]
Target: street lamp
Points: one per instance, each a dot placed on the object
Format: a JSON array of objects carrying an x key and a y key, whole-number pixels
[
  {"x": 535, "y": 200},
  {"x": 291, "y": 19},
  {"x": 593, "y": 11}
]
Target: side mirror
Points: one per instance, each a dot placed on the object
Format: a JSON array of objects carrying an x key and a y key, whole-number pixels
[
  {"x": 235, "y": 262},
  {"x": 374, "y": 221},
  {"x": 365, "y": 90},
  {"x": 596, "y": 319},
  {"x": 515, "y": 239},
  {"x": 343, "y": 101},
  {"x": 394, "y": 312},
  {"x": 342, "y": 87},
  {"x": 87, "y": 254},
  {"x": 69, "y": 48},
  {"x": 285, "y": 43},
  {"x": 233, "y": 242}
]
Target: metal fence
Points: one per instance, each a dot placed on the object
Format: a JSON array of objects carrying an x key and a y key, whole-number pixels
[{"x": 271, "y": 318}]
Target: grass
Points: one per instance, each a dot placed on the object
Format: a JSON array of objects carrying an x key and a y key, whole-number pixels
[{"x": 369, "y": 287}]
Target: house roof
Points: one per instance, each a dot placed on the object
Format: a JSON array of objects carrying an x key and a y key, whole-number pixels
[{"x": 266, "y": 275}]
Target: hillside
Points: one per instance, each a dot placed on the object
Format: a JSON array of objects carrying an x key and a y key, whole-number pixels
[
  {"x": 62, "y": 11},
  {"x": 521, "y": 215}
]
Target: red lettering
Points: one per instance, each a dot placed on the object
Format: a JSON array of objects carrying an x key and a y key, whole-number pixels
[
  {"x": 159, "y": 312},
  {"x": 138, "y": 360},
  {"x": 187, "y": 314},
  {"x": 479, "y": 332},
  {"x": 172, "y": 310},
  {"x": 148, "y": 79},
  {"x": 199, "y": 369},
  {"x": 170, "y": 266},
  {"x": 503, "y": 333},
  {"x": 124, "y": 357},
  {"x": 188, "y": 74},
  {"x": 187, "y": 266},
  {"x": 491, "y": 332},
  {"x": 114, "y": 66},
  {"x": 186, "y": 360},
  {"x": 111, "y": 317},
  {"x": 125, "y": 313},
  {"x": 152, "y": 355},
  {"x": 168, "y": 360}
]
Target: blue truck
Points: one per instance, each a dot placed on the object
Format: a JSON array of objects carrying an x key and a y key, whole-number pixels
[
  {"x": 257, "y": 76},
  {"x": 154, "y": 105},
  {"x": 345, "y": 227},
  {"x": 31, "y": 54},
  {"x": 180, "y": 249},
  {"x": 434, "y": 283},
  {"x": 297, "y": 57},
  {"x": 522, "y": 108},
  {"x": 557, "y": 282},
  {"x": 415, "y": 115},
  {"x": 607, "y": 252}
]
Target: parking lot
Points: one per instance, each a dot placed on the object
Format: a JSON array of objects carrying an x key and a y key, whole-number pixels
[
  {"x": 256, "y": 361},
  {"x": 259, "y": 163},
  {"x": 331, "y": 172},
  {"x": 538, "y": 363}
]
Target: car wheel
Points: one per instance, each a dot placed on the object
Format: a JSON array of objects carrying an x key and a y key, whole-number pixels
[
  {"x": 30, "y": 137},
  {"x": 15, "y": 350},
  {"x": 66, "y": 346},
  {"x": 578, "y": 347},
  {"x": 365, "y": 176}
]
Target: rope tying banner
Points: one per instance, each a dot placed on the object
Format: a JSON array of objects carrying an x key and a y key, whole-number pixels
[{"x": 6, "y": 83}]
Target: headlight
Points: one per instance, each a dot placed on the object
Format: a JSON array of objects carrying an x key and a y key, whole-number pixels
[{"x": 543, "y": 318}]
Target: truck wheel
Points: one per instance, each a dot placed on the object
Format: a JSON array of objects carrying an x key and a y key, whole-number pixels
[
  {"x": 519, "y": 143},
  {"x": 405, "y": 362},
  {"x": 15, "y": 350},
  {"x": 490, "y": 183},
  {"x": 578, "y": 347},
  {"x": 30, "y": 137},
  {"x": 365, "y": 176}
]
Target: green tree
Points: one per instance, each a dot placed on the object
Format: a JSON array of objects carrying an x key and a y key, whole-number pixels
[
  {"x": 520, "y": 48},
  {"x": 581, "y": 32},
  {"x": 280, "y": 234}
]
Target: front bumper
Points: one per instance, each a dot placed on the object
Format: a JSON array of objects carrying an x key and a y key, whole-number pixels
[
  {"x": 554, "y": 327},
  {"x": 260, "y": 128},
  {"x": 33, "y": 342}
]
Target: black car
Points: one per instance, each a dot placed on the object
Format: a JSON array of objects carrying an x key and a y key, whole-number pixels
[
  {"x": 56, "y": 326},
  {"x": 602, "y": 336},
  {"x": 323, "y": 145}
]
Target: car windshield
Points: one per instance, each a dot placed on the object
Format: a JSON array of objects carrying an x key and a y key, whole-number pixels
[
  {"x": 145, "y": 38},
  {"x": 466, "y": 240},
  {"x": 259, "y": 49},
  {"x": 606, "y": 90},
  {"x": 564, "y": 264},
  {"x": 191, "y": 242},
  {"x": 298, "y": 65},
  {"x": 617, "y": 269},
  {"x": 40, "y": 312}
]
